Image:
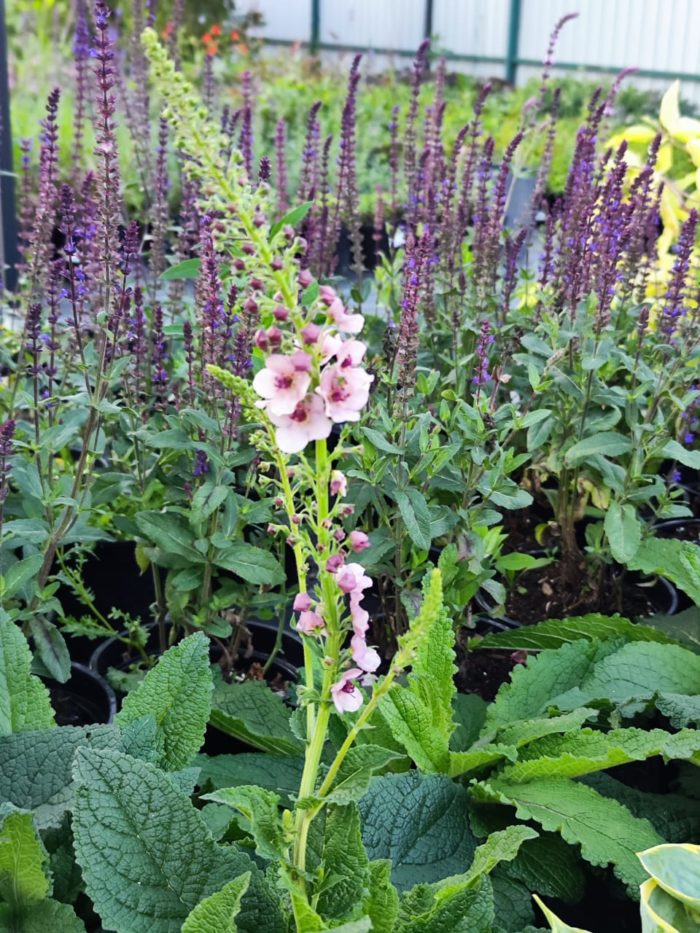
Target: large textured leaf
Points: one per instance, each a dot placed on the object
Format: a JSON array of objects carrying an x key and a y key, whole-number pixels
[
  {"x": 680, "y": 710},
  {"x": 252, "y": 564},
  {"x": 522, "y": 733},
  {"x": 587, "y": 750},
  {"x": 23, "y": 859},
  {"x": 411, "y": 722},
  {"x": 260, "y": 808},
  {"x": 420, "y": 823},
  {"x": 250, "y": 711},
  {"x": 382, "y": 900},
  {"x": 36, "y": 768},
  {"x": 676, "y": 818},
  {"x": 169, "y": 532},
  {"x": 280, "y": 773},
  {"x": 623, "y": 530},
  {"x": 345, "y": 882},
  {"x": 676, "y": 560},
  {"x": 45, "y": 916},
  {"x": 548, "y": 865},
  {"x": 177, "y": 694},
  {"x": 532, "y": 686},
  {"x": 357, "y": 768},
  {"x": 557, "y": 632},
  {"x": 134, "y": 831},
  {"x": 24, "y": 700},
  {"x": 636, "y": 671},
  {"x": 217, "y": 913},
  {"x": 467, "y": 909},
  {"x": 605, "y": 830}
]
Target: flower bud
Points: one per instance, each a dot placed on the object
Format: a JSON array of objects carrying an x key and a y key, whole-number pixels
[
  {"x": 302, "y": 602},
  {"x": 276, "y": 264},
  {"x": 256, "y": 284},
  {"x": 248, "y": 249},
  {"x": 310, "y": 333},
  {"x": 359, "y": 541},
  {"x": 334, "y": 563},
  {"x": 305, "y": 278},
  {"x": 281, "y": 313},
  {"x": 261, "y": 341},
  {"x": 239, "y": 264},
  {"x": 250, "y": 305},
  {"x": 274, "y": 335}
]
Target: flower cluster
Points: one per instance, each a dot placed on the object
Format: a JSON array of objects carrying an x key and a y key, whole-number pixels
[{"x": 319, "y": 382}]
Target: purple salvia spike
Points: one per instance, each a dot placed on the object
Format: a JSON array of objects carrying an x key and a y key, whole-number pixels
[{"x": 281, "y": 182}]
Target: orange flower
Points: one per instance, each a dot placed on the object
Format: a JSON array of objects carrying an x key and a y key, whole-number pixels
[
  {"x": 242, "y": 48},
  {"x": 206, "y": 38},
  {"x": 212, "y": 48},
  {"x": 215, "y": 30},
  {"x": 235, "y": 35}
]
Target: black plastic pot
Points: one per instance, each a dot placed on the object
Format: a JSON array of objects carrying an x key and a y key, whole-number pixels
[
  {"x": 85, "y": 699},
  {"x": 662, "y": 594},
  {"x": 113, "y": 653}
]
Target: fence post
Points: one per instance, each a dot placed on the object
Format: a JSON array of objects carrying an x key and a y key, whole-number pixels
[
  {"x": 428, "y": 19},
  {"x": 315, "y": 24},
  {"x": 9, "y": 255},
  {"x": 513, "y": 40}
]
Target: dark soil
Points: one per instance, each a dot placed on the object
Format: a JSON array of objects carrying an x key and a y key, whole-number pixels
[
  {"x": 483, "y": 672},
  {"x": 539, "y": 594}
]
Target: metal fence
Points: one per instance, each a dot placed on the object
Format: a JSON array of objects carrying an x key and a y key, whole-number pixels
[{"x": 505, "y": 38}]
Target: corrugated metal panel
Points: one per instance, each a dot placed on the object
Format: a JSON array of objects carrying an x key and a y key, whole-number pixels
[
  {"x": 394, "y": 24},
  {"x": 288, "y": 20},
  {"x": 471, "y": 27}
]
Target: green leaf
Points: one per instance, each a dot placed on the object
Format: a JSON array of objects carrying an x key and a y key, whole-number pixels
[
  {"x": 605, "y": 443},
  {"x": 415, "y": 515},
  {"x": 208, "y": 498},
  {"x": 466, "y": 908},
  {"x": 678, "y": 561},
  {"x": 477, "y": 758},
  {"x": 419, "y": 822},
  {"x": 36, "y": 768},
  {"x": 623, "y": 530},
  {"x": 532, "y": 685},
  {"x": 50, "y": 648},
  {"x": 636, "y": 671},
  {"x": 24, "y": 700},
  {"x": 281, "y": 773},
  {"x": 660, "y": 912},
  {"x": 557, "y": 632},
  {"x": 187, "y": 269},
  {"x": 382, "y": 900},
  {"x": 356, "y": 771},
  {"x": 555, "y": 924},
  {"x": 260, "y": 808},
  {"x": 469, "y": 713},
  {"x": 548, "y": 865},
  {"x": 42, "y": 917},
  {"x": 23, "y": 859},
  {"x": 250, "y": 711},
  {"x": 676, "y": 868},
  {"x": 672, "y": 450},
  {"x": 217, "y": 913},
  {"x": 252, "y": 564},
  {"x": 20, "y": 574},
  {"x": 177, "y": 693},
  {"x": 679, "y": 709},
  {"x": 410, "y": 720},
  {"x": 134, "y": 831},
  {"x": 377, "y": 439},
  {"x": 605, "y": 830},
  {"x": 292, "y": 218},
  {"x": 586, "y": 750},
  {"x": 683, "y": 628},
  {"x": 345, "y": 864},
  {"x": 169, "y": 532},
  {"x": 522, "y": 733}
]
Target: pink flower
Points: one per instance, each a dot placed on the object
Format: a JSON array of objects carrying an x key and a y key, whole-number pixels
[
  {"x": 307, "y": 422},
  {"x": 309, "y": 622},
  {"x": 359, "y": 541},
  {"x": 305, "y": 278},
  {"x": 351, "y": 353},
  {"x": 302, "y": 361},
  {"x": 327, "y": 294},
  {"x": 364, "y": 656},
  {"x": 310, "y": 333},
  {"x": 302, "y": 602},
  {"x": 339, "y": 484},
  {"x": 345, "y": 392},
  {"x": 346, "y": 323},
  {"x": 330, "y": 345},
  {"x": 334, "y": 563},
  {"x": 359, "y": 616},
  {"x": 346, "y": 696},
  {"x": 354, "y": 578},
  {"x": 283, "y": 383}
]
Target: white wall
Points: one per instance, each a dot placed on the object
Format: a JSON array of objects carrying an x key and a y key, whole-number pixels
[{"x": 650, "y": 34}]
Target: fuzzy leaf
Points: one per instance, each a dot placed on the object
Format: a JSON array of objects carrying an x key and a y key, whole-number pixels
[
  {"x": 217, "y": 913},
  {"x": 42, "y": 917},
  {"x": 134, "y": 831},
  {"x": 281, "y": 773},
  {"x": 261, "y": 811},
  {"x": 557, "y": 632},
  {"x": 345, "y": 881},
  {"x": 411, "y": 722},
  {"x": 474, "y": 759},
  {"x": 587, "y": 750},
  {"x": 466, "y": 909},
  {"x": 532, "y": 686},
  {"x": 676, "y": 560},
  {"x": 250, "y": 711},
  {"x": 36, "y": 768},
  {"x": 606, "y": 831},
  {"x": 420, "y": 823},
  {"x": 23, "y": 859},
  {"x": 24, "y": 700},
  {"x": 522, "y": 733},
  {"x": 382, "y": 900},
  {"x": 357, "y": 769},
  {"x": 187, "y": 269},
  {"x": 170, "y": 533},
  {"x": 177, "y": 693}
]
